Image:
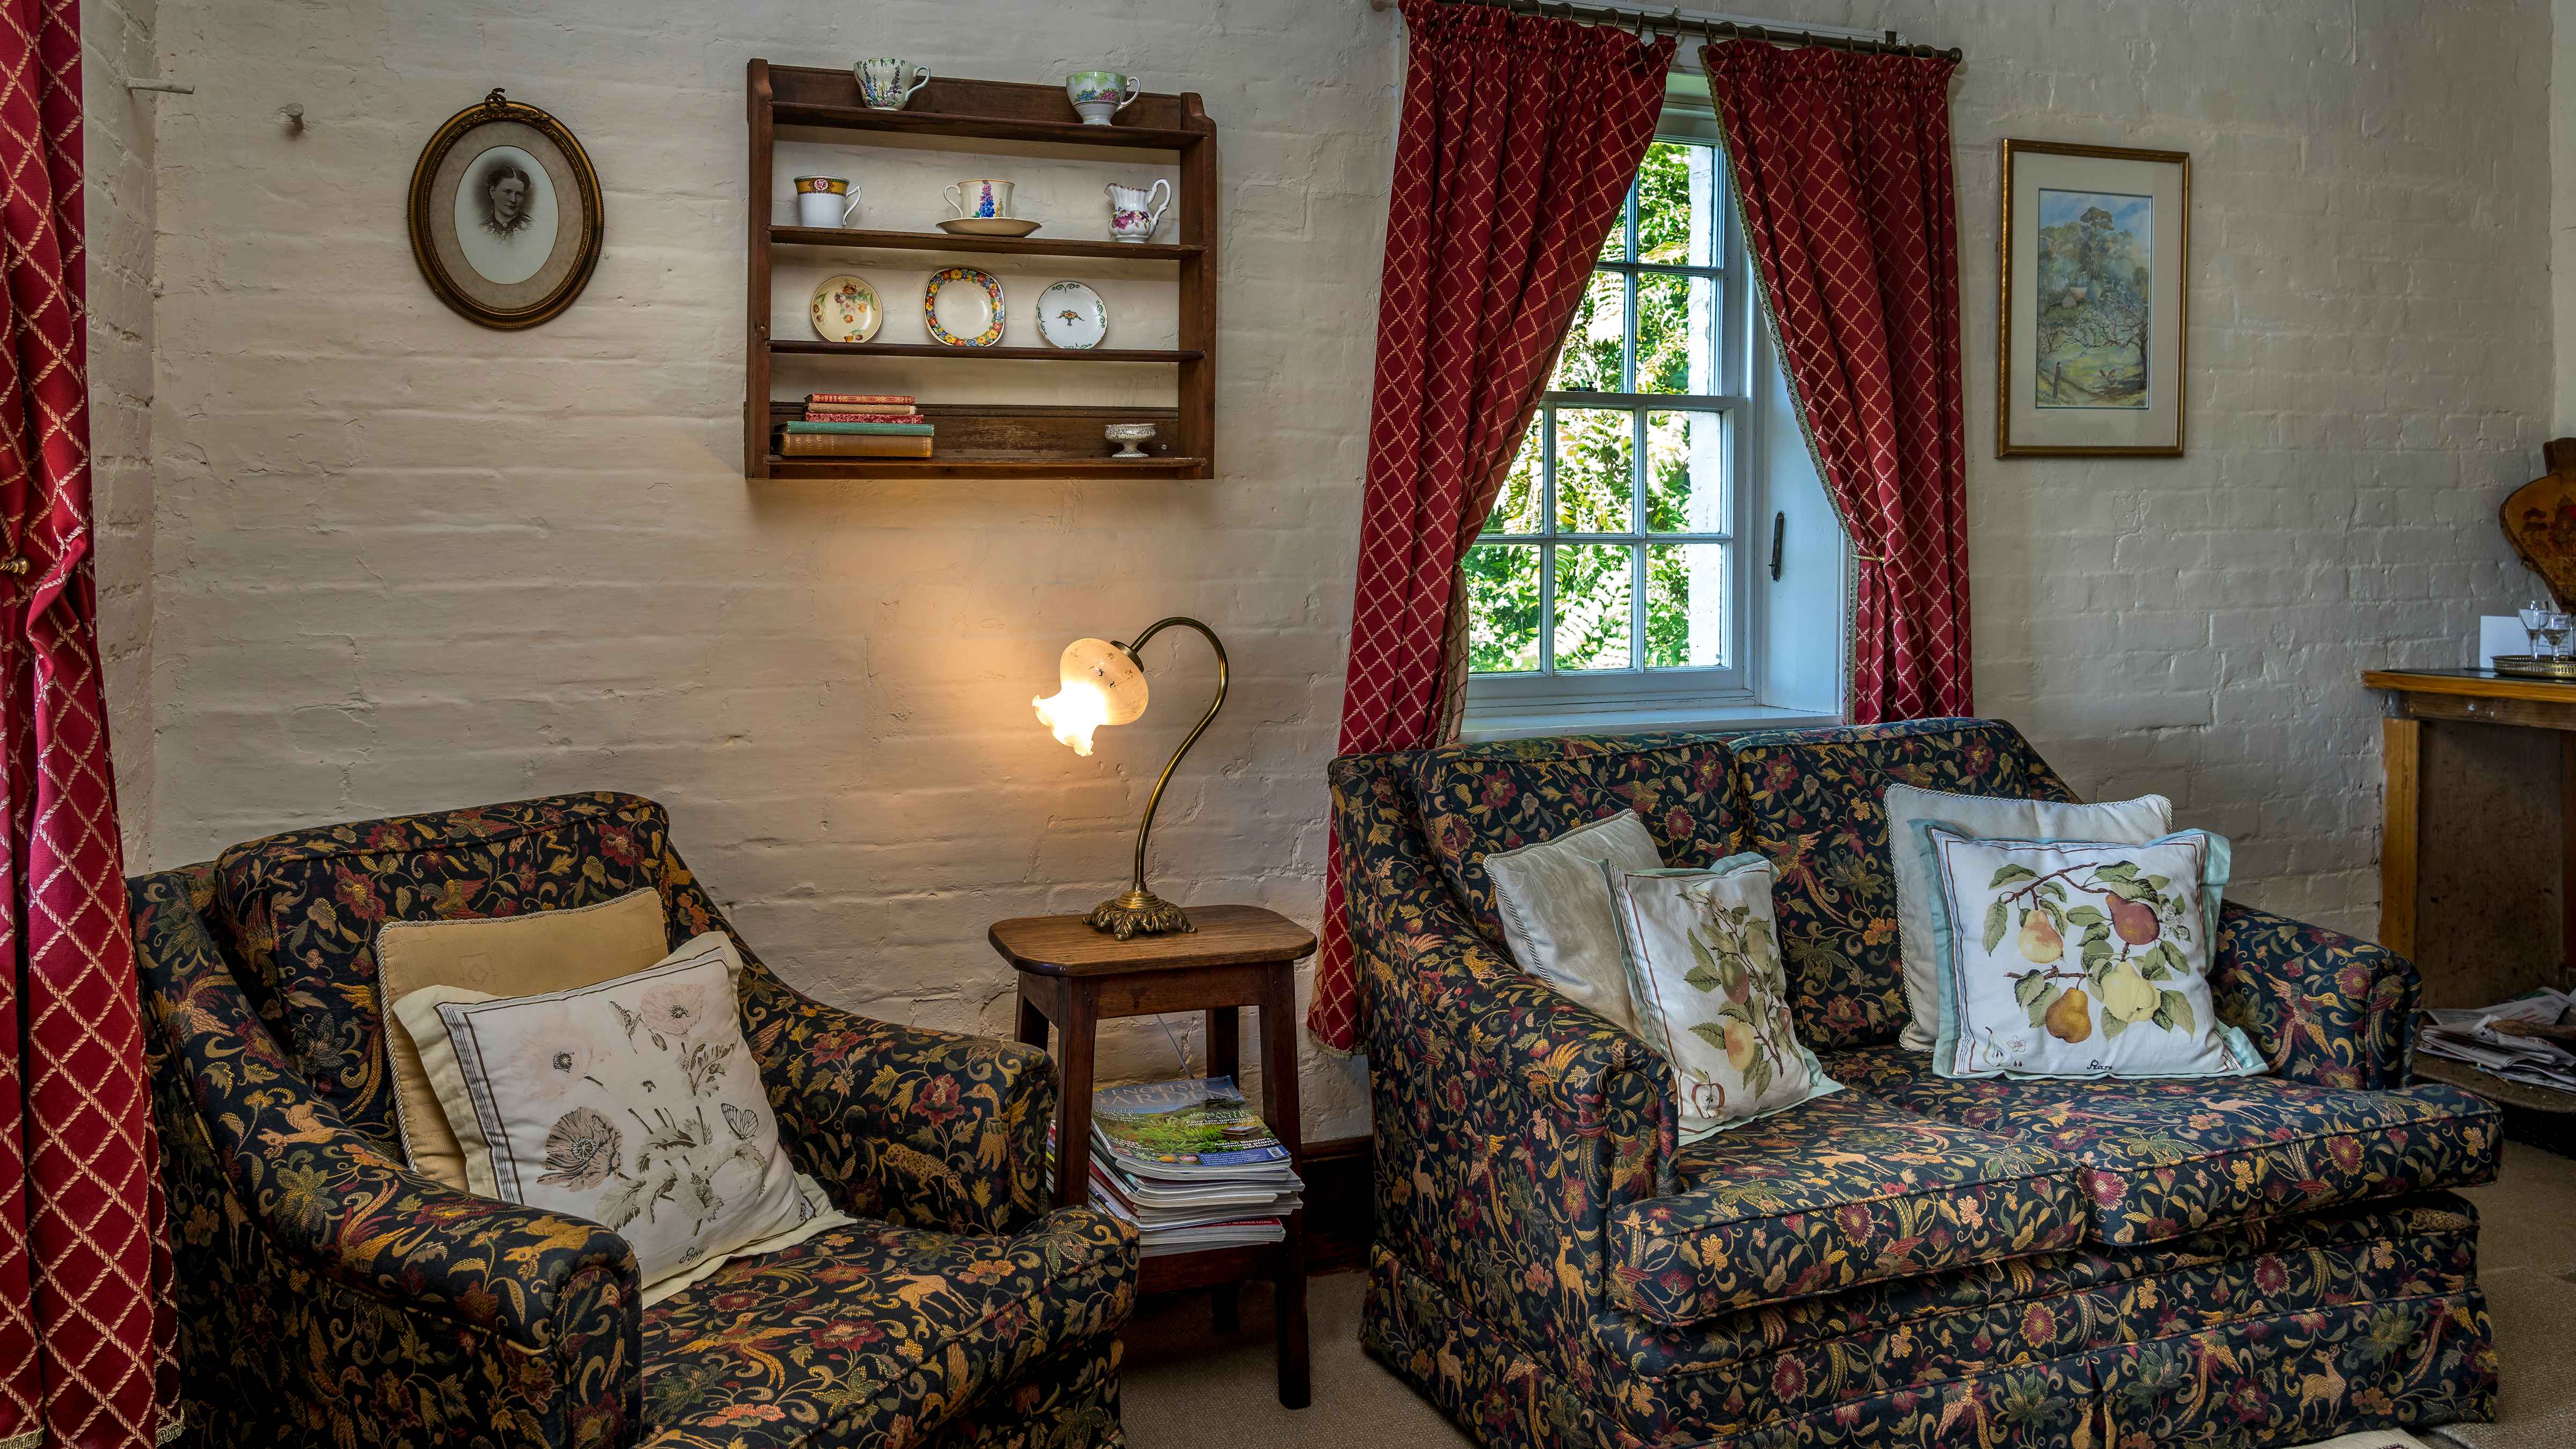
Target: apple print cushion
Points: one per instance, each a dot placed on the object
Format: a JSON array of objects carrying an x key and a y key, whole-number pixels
[
  {"x": 1704, "y": 975},
  {"x": 2131, "y": 822},
  {"x": 2080, "y": 958},
  {"x": 633, "y": 1102}
]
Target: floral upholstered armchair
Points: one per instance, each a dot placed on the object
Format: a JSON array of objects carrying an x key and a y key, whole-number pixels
[{"x": 331, "y": 1297}]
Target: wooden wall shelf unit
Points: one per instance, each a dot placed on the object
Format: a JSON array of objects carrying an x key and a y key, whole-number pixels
[{"x": 991, "y": 440}]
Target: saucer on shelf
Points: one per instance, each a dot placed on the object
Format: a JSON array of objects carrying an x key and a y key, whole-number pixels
[{"x": 989, "y": 226}]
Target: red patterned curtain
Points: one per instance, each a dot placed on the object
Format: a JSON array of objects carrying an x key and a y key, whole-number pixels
[
  {"x": 1841, "y": 166},
  {"x": 1519, "y": 138},
  {"x": 85, "y": 1317}
]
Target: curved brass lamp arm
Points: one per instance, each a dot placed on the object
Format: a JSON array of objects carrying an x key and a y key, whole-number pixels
[{"x": 1140, "y": 909}]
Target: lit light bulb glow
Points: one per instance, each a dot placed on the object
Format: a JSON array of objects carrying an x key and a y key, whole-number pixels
[{"x": 1073, "y": 712}]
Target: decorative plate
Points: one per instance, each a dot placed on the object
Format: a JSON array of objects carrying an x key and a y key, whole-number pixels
[
  {"x": 2540, "y": 521},
  {"x": 845, "y": 309},
  {"x": 963, "y": 307},
  {"x": 989, "y": 226},
  {"x": 1072, "y": 315}
]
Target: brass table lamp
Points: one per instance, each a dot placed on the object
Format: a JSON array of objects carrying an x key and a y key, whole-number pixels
[{"x": 1102, "y": 682}]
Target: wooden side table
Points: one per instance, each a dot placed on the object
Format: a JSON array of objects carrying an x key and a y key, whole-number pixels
[{"x": 1077, "y": 977}]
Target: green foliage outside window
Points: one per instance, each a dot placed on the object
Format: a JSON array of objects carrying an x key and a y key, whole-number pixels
[{"x": 1596, "y": 455}]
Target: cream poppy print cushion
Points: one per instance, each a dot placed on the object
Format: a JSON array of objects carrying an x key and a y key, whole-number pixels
[
  {"x": 634, "y": 1103},
  {"x": 1704, "y": 977},
  {"x": 2080, "y": 958}
]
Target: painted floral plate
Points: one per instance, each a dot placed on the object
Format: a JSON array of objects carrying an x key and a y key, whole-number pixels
[
  {"x": 962, "y": 307},
  {"x": 845, "y": 309},
  {"x": 1072, "y": 315}
]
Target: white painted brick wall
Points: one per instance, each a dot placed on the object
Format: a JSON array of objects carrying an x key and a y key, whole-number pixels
[
  {"x": 116, "y": 46},
  {"x": 409, "y": 563},
  {"x": 2369, "y": 375},
  {"x": 404, "y": 563}
]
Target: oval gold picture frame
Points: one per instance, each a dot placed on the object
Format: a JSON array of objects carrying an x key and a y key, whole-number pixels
[{"x": 438, "y": 243}]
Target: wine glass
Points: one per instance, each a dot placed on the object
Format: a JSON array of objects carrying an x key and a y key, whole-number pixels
[
  {"x": 2533, "y": 616},
  {"x": 2554, "y": 629}
]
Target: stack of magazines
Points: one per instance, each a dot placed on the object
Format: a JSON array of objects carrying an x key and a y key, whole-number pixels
[
  {"x": 1191, "y": 1165},
  {"x": 856, "y": 425},
  {"x": 2530, "y": 1039}
]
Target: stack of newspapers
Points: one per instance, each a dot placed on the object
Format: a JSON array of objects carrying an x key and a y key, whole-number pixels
[
  {"x": 1190, "y": 1164},
  {"x": 2530, "y": 1039}
]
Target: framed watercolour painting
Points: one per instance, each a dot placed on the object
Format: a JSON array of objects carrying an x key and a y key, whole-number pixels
[
  {"x": 505, "y": 214},
  {"x": 2096, "y": 267}
]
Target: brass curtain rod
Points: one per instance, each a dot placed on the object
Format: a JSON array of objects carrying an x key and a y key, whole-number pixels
[{"x": 1674, "y": 22}]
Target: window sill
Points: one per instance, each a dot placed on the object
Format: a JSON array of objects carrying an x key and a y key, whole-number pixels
[{"x": 1505, "y": 724}]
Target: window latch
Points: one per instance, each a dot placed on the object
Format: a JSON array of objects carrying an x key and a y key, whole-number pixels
[{"x": 1779, "y": 526}]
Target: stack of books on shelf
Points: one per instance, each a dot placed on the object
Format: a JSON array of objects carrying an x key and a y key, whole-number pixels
[
  {"x": 1191, "y": 1165},
  {"x": 856, "y": 425}
]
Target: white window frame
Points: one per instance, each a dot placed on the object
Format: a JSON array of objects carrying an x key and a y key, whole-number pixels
[{"x": 1603, "y": 695}]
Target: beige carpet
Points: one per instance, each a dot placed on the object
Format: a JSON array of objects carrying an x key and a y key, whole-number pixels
[{"x": 1188, "y": 1387}]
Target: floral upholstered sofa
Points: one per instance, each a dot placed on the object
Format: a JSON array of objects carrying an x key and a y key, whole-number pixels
[
  {"x": 1913, "y": 1261},
  {"x": 330, "y": 1297}
]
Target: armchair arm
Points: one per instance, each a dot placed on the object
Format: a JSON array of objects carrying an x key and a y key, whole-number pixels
[
  {"x": 2324, "y": 1008},
  {"x": 516, "y": 1317},
  {"x": 1511, "y": 1122},
  {"x": 908, "y": 1125},
  {"x": 903, "y": 1124}
]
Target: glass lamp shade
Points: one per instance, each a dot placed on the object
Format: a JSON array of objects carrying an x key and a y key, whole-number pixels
[{"x": 1099, "y": 684}]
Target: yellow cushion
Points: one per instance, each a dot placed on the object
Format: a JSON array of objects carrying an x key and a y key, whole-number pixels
[{"x": 525, "y": 955}]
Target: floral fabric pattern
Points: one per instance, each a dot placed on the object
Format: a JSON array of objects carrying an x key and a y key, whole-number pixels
[
  {"x": 874, "y": 1334},
  {"x": 1475, "y": 800},
  {"x": 2384, "y": 1301},
  {"x": 2296, "y": 1275},
  {"x": 1810, "y": 802},
  {"x": 1834, "y": 1192},
  {"x": 2168, "y": 1156},
  {"x": 328, "y": 1295},
  {"x": 2322, "y": 1007}
]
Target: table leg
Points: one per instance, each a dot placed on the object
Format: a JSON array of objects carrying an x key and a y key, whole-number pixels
[
  {"x": 2566, "y": 856},
  {"x": 1225, "y": 1059},
  {"x": 1033, "y": 1022},
  {"x": 1225, "y": 1042},
  {"x": 1279, "y": 1108},
  {"x": 2401, "y": 747},
  {"x": 1073, "y": 1094}
]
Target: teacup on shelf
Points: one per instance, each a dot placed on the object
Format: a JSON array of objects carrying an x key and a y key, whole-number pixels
[{"x": 1098, "y": 95}]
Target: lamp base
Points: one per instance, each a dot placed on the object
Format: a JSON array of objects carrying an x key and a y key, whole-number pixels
[{"x": 1139, "y": 913}]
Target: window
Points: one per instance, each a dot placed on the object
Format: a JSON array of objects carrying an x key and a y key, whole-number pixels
[{"x": 1612, "y": 571}]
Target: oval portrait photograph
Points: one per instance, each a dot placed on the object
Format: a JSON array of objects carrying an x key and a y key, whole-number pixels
[{"x": 505, "y": 214}]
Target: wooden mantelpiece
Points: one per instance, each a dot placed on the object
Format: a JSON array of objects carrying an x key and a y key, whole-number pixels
[
  {"x": 2477, "y": 853},
  {"x": 2477, "y": 865}
]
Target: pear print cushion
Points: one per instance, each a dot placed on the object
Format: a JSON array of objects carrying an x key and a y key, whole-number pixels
[
  {"x": 1704, "y": 976},
  {"x": 634, "y": 1103},
  {"x": 2080, "y": 958}
]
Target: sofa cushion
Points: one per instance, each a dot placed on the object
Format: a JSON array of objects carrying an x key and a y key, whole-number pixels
[
  {"x": 1810, "y": 800},
  {"x": 303, "y": 909},
  {"x": 1840, "y": 1190},
  {"x": 875, "y": 1334},
  {"x": 1916, "y": 1339},
  {"x": 1504, "y": 794},
  {"x": 2165, "y": 1157}
]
